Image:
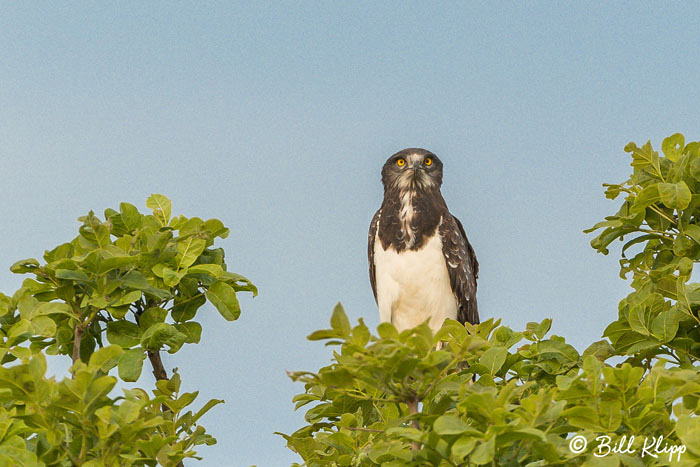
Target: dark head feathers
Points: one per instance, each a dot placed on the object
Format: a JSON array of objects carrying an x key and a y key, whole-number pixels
[{"x": 416, "y": 168}]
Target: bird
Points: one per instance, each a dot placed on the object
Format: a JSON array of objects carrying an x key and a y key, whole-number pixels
[{"x": 421, "y": 264}]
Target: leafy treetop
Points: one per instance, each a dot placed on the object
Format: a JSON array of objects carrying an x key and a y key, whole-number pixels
[
  {"x": 138, "y": 281},
  {"x": 488, "y": 395}
]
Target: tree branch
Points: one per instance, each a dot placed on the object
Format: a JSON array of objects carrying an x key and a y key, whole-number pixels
[
  {"x": 157, "y": 364},
  {"x": 76, "y": 343},
  {"x": 413, "y": 410},
  {"x": 160, "y": 374},
  {"x": 358, "y": 428}
]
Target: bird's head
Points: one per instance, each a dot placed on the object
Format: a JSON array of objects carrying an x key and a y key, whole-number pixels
[{"x": 412, "y": 169}]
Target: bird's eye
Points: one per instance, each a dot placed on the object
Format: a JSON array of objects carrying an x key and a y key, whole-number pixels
[
  {"x": 401, "y": 162},
  {"x": 428, "y": 161}
]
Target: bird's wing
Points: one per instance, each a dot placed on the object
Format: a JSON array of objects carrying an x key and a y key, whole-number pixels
[
  {"x": 462, "y": 268},
  {"x": 373, "y": 226}
]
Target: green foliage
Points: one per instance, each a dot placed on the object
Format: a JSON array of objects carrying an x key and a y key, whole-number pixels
[
  {"x": 487, "y": 395},
  {"x": 479, "y": 401},
  {"x": 125, "y": 288},
  {"x": 660, "y": 217}
]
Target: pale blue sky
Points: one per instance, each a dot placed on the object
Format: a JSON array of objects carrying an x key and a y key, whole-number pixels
[{"x": 276, "y": 118}]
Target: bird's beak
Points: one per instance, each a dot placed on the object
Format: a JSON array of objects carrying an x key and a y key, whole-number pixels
[{"x": 416, "y": 165}]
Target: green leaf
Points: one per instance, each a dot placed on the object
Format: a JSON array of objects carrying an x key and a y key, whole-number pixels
[
  {"x": 693, "y": 231},
  {"x": 188, "y": 251},
  {"x": 68, "y": 274},
  {"x": 683, "y": 245},
  {"x": 239, "y": 283},
  {"x": 170, "y": 277},
  {"x": 177, "y": 222},
  {"x": 62, "y": 251},
  {"x": 94, "y": 234},
  {"x": 223, "y": 297},
  {"x": 695, "y": 168},
  {"x": 463, "y": 446},
  {"x": 106, "y": 358},
  {"x": 25, "y": 265},
  {"x": 206, "y": 408},
  {"x": 131, "y": 217},
  {"x": 606, "y": 223},
  {"x": 387, "y": 330},
  {"x": 610, "y": 414},
  {"x": 213, "y": 270},
  {"x": 44, "y": 326},
  {"x": 556, "y": 349},
  {"x": 97, "y": 389},
  {"x": 190, "y": 226},
  {"x": 192, "y": 330},
  {"x": 453, "y": 425},
  {"x": 322, "y": 334},
  {"x": 632, "y": 342},
  {"x": 127, "y": 298},
  {"x": 161, "y": 207},
  {"x": 131, "y": 364},
  {"x": 688, "y": 429},
  {"x": 672, "y": 146},
  {"x": 685, "y": 268},
  {"x": 183, "y": 401},
  {"x": 159, "y": 240},
  {"x": 602, "y": 350},
  {"x": 136, "y": 280},
  {"x": 161, "y": 334},
  {"x": 639, "y": 319},
  {"x": 20, "y": 331},
  {"x": 583, "y": 417},
  {"x": 123, "y": 333},
  {"x": 484, "y": 452},
  {"x": 152, "y": 316},
  {"x": 216, "y": 227},
  {"x": 339, "y": 377},
  {"x": 648, "y": 196},
  {"x": 665, "y": 324},
  {"x": 157, "y": 269},
  {"x": 634, "y": 241},
  {"x": 114, "y": 262},
  {"x": 646, "y": 159},
  {"x": 612, "y": 190},
  {"x": 186, "y": 309},
  {"x": 360, "y": 334},
  {"x": 493, "y": 359},
  {"x": 4, "y": 304},
  {"x": 339, "y": 321},
  {"x": 539, "y": 329},
  {"x": 675, "y": 195}
]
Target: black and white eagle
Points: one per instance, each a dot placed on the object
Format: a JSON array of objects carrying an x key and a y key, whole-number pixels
[{"x": 421, "y": 265}]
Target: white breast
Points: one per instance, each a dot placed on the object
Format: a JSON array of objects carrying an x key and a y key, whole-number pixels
[{"x": 413, "y": 286}]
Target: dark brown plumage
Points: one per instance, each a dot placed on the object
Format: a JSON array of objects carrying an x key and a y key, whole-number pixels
[{"x": 413, "y": 211}]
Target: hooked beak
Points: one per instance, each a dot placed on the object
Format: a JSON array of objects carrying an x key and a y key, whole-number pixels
[{"x": 416, "y": 165}]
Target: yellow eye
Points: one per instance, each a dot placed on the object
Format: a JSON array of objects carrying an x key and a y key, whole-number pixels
[
  {"x": 428, "y": 162},
  {"x": 401, "y": 162}
]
